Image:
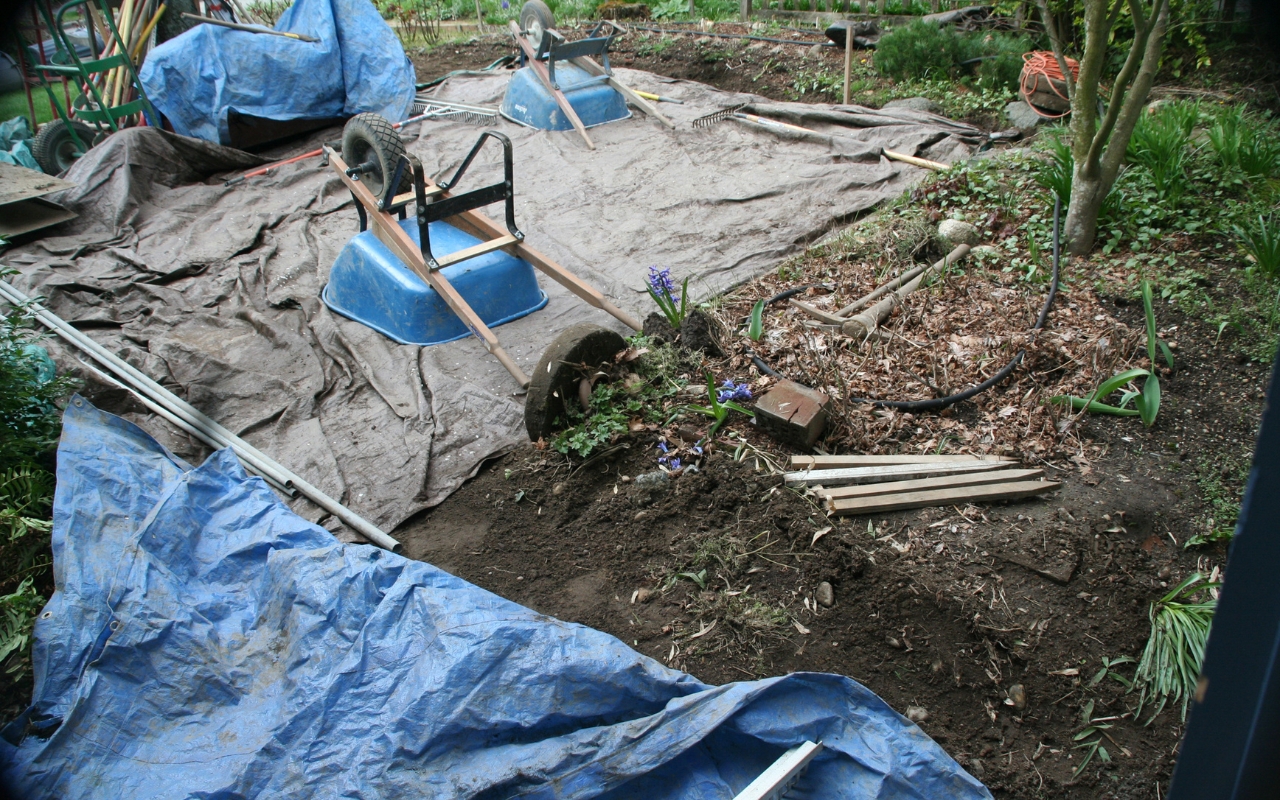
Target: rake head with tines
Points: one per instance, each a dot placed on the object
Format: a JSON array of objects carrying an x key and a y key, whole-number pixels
[
  {"x": 718, "y": 116},
  {"x": 456, "y": 112}
]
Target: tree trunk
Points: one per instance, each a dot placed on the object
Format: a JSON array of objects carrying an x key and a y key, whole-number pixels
[{"x": 1081, "y": 228}]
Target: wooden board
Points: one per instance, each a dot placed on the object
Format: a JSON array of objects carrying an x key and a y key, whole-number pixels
[
  {"x": 923, "y": 484},
  {"x": 810, "y": 462},
  {"x": 940, "y": 497},
  {"x": 895, "y": 472}
]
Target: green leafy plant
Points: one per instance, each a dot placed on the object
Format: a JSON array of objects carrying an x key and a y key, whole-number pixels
[
  {"x": 1170, "y": 663},
  {"x": 919, "y": 50},
  {"x": 1092, "y": 747},
  {"x": 755, "y": 324},
  {"x": 1262, "y": 241},
  {"x": 1108, "y": 670},
  {"x": 1161, "y": 143},
  {"x": 17, "y": 618},
  {"x": 721, "y": 402},
  {"x": 26, "y": 495},
  {"x": 1147, "y": 399},
  {"x": 1001, "y": 64},
  {"x": 1055, "y": 173},
  {"x": 1244, "y": 144},
  {"x": 663, "y": 291},
  {"x": 29, "y": 416}
]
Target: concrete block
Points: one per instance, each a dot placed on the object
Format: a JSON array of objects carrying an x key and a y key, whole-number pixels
[{"x": 793, "y": 413}]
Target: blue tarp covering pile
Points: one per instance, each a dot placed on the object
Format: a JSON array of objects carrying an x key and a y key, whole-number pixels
[
  {"x": 207, "y": 642},
  {"x": 358, "y": 65}
]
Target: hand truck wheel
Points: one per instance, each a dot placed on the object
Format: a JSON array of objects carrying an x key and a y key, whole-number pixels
[
  {"x": 583, "y": 347},
  {"x": 54, "y": 148}
]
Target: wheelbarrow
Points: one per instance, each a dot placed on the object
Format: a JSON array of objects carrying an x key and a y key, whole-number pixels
[
  {"x": 450, "y": 271},
  {"x": 559, "y": 84}
]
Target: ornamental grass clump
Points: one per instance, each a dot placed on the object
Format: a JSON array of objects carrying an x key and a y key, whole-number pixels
[{"x": 1170, "y": 664}]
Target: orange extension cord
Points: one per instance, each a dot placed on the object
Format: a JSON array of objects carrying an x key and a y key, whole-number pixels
[{"x": 1041, "y": 62}]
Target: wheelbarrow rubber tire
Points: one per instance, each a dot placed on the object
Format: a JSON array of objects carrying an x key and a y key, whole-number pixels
[
  {"x": 559, "y": 372},
  {"x": 535, "y": 19},
  {"x": 54, "y": 148},
  {"x": 370, "y": 137}
]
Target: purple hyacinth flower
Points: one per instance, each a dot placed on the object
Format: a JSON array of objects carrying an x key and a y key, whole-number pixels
[{"x": 662, "y": 284}]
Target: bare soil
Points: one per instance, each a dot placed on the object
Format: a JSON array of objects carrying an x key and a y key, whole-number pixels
[{"x": 945, "y": 610}]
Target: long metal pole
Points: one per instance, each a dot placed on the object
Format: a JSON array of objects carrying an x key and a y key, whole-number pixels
[{"x": 214, "y": 432}]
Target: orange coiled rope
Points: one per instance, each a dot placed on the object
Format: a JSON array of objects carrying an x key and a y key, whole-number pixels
[{"x": 1043, "y": 63}]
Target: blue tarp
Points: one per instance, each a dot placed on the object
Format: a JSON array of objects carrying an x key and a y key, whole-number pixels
[
  {"x": 206, "y": 642},
  {"x": 196, "y": 78}
]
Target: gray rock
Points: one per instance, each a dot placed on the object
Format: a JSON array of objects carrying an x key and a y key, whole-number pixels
[
  {"x": 956, "y": 232},
  {"x": 826, "y": 596},
  {"x": 915, "y": 104},
  {"x": 917, "y": 714},
  {"x": 986, "y": 251},
  {"x": 1021, "y": 115},
  {"x": 656, "y": 481}
]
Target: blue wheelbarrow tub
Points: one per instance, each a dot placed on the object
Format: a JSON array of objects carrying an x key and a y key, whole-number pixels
[
  {"x": 528, "y": 102},
  {"x": 369, "y": 284}
]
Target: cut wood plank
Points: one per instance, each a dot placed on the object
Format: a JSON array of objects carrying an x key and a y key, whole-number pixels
[
  {"x": 894, "y": 472},
  {"x": 810, "y": 462},
  {"x": 921, "y": 484},
  {"x": 939, "y": 497}
]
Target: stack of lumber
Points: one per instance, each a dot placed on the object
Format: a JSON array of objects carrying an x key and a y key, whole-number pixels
[{"x": 850, "y": 485}]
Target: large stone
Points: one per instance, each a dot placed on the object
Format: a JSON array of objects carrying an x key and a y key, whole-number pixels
[
  {"x": 916, "y": 104},
  {"x": 956, "y": 232},
  {"x": 793, "y": 413},
  {"x": 1022, "y": 116}
]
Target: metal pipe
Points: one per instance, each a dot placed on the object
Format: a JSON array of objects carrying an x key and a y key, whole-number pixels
[
  {"x": 221, "y": 435},
  {"x": 215, "y": 433},
  {"x": 178, "y": 422}
]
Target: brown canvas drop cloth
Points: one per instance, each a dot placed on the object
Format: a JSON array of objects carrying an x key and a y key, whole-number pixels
[{"x": 214, "y": 291}]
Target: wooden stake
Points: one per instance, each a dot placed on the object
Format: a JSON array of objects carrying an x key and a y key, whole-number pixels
[
  {"x": 923, "y": 484},
  {"x": 848, "y": 59},
  {"x": 866, "y": 300},
  {"x": 914, "y": 161},
  {"x": 872, "y": 318},
  {"x": 940, "y": 497}
]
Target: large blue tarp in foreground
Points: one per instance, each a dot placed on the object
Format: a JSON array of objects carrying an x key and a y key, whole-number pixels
[
  {"x": 206, "y": 642},
  {"x": 358, "y": 65}
]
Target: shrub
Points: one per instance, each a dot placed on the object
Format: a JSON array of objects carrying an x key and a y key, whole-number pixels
[
  {"x": 1002, "y": 66},
  {"x": 920, "y": 50}
]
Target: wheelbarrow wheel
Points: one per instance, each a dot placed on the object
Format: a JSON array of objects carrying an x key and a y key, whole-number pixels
[
  {"x": 579, "y": 350},
  {"x": 535, "y": 20},
  {"x": 369, "y": 140},
  {"x": 54, "y": 147}
]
